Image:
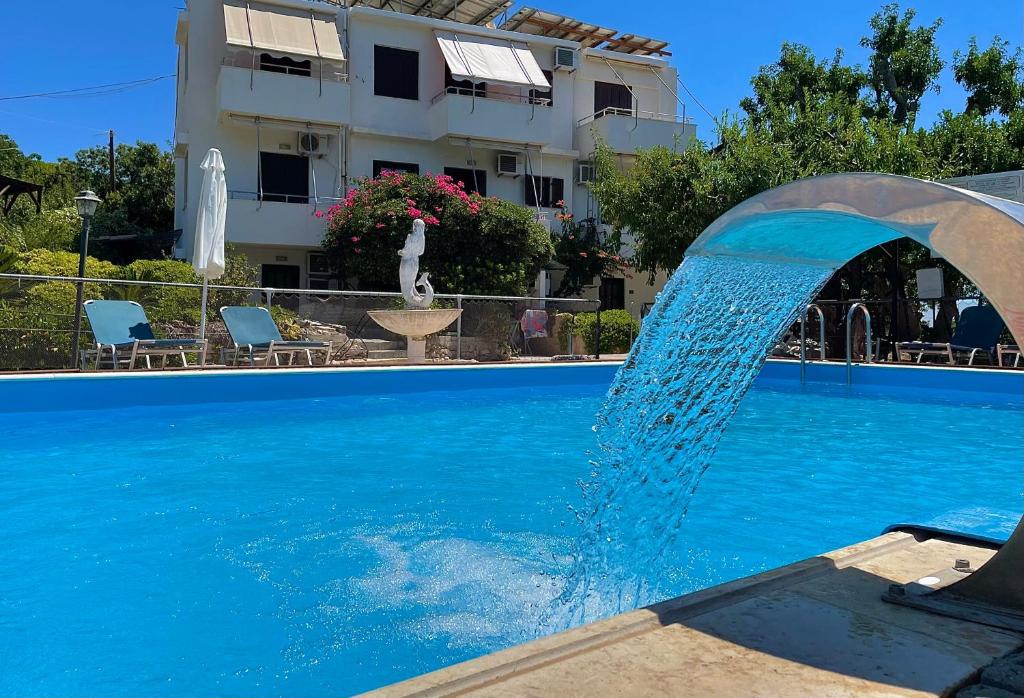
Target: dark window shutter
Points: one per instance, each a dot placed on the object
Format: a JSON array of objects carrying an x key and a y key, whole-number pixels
[{"x": 396, "y": 73}]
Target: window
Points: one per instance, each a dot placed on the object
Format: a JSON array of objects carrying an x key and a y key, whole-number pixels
[
  {"x": 272, "y": 64},
  {"x": 396, "y": 73},
  {"x": 612, "y": 293},
  {"x": 463, "y": 87},
  {"x": 284, "y": 178},
  {"x": 381, "y": 165},
  {"x": 319, "y": 271},
  {"x": 610, "y": 95},
  {"x": 279, "y": 276},
  {"x": 474, "y": 180},
  {"x": 550, "y": 190},
  {"x": 547, "y": 96}
]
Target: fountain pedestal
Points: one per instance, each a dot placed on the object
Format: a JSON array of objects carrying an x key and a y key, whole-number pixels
[{"x": 415, "y": 324}]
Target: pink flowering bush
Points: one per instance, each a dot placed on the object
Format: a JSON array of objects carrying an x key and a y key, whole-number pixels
[
  {"x": 474, "y": 244},
  {"x": 585, "y": 254}
]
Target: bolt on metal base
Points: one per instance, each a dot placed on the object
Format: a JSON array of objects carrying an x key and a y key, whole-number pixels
[{"x": 936, "y": 593}]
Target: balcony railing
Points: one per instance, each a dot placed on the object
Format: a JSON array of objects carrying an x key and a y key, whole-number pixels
[
  {"x": 495, "y": 96},
  {"x": 243, "y": 195},
  {"x": 331, "y": 70},
  {"x": 635, "y": 113}
]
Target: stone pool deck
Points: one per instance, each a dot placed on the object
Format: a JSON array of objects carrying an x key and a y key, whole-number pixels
[{"x": 814, "y": 628}]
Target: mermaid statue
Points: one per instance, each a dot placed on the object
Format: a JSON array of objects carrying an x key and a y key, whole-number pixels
[{"x": 415, "y": 244}]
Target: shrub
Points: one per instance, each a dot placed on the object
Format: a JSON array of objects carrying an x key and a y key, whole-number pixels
[
  {"x": 474, "y": 244},
  {"x": 618, "y": 330},
  {"x": 57, "y": 263},
  {"x": 162, "y": 303}
]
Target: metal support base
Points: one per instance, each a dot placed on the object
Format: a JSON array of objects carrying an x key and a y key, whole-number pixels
[{"x": 939, "y": 593}]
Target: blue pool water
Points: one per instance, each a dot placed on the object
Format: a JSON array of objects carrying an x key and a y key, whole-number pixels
[{"x": 331, "y": 545}]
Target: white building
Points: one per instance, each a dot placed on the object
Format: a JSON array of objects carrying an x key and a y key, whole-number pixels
[{"x": 304, "y": 96}]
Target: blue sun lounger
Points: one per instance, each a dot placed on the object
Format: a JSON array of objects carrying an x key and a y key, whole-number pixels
[
  {"x": 122, "y": 328},
  {"x": 254, "y": 334},
  {"x": 976, "y": 334}
]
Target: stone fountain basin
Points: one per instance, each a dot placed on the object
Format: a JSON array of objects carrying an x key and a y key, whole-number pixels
[{"x": 416, "y": 324}]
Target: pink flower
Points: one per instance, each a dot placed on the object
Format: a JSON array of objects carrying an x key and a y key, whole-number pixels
[
  {"x": 379, "y": 225},
  {"x": 414, "y": 212},
  {"x": 319, "y": 214},
  {"x": 438, "y": 209},
  {"x": 355, "y": 238},
  {"x": 431, "y": 220},
  {"x": 560, "y": 204}
]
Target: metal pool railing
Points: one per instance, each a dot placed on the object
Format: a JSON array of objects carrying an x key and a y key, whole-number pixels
[
  {"x": 843, "y": 328},
  {"x": 37, "y": 315}
]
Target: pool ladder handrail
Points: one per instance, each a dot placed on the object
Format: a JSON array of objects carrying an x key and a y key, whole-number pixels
[
  {"x": 849, "y": 338},
  {"x": 803, "y": 337}
]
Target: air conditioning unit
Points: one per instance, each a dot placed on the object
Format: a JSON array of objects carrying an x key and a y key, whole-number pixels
[
  {"x": 565, "y": 58},
  {"x": 510, "y": 165},
  {"x": 585, "y": 172},
  {"x": 313, "y": 144}
]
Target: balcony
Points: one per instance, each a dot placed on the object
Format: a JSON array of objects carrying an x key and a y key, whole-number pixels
[
  {"x": 254, "y": 222},
  {"x": 284, "y": 96},
  {"x": 490, "y": 116},
  {"x": 625, "y": 130}
]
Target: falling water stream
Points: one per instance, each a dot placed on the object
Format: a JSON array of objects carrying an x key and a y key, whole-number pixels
[{"x": 698, "y": 353}]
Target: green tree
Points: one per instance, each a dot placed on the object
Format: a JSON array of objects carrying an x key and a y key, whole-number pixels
[
  {"x": 141, "y": 203},
  {"x": 968, "y": 143},
  {"x": 797, "y": 81},
  {"x": 991, "y": 77},
  {"x": 142, "y": 198},
  {"x": 904, "y": 65}
]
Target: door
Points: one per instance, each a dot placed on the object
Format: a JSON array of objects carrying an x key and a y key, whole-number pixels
[
  {"x": 612, "y": 96},
  {"x": 279, "y": 275},
  {"x": 613, "y": 294}
]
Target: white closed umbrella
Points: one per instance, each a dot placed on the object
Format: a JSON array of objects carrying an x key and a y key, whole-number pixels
[{"x": 208, "y": 247}]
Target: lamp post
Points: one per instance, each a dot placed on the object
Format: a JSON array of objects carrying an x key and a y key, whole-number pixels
[{"x": 86, "y": 202}]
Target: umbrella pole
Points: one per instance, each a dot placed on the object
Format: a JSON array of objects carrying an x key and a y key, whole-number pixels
[{"x": 202, "y": 310}]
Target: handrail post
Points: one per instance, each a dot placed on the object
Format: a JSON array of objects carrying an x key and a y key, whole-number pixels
[
  {"x": 803, "y": 337},
  {"x": 458, "y": 328},
  {"x": 849, "y": 338}
]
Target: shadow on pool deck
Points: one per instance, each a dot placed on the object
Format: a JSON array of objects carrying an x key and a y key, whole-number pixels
[{"x": 813, "y": 628}]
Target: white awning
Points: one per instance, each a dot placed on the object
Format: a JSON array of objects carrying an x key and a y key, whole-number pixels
[
  {"x": 491, "y": 60},
  {"x": 281, "y": 30}
]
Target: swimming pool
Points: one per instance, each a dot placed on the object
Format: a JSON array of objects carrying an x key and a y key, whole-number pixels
[{"x": 224, "y": 535}]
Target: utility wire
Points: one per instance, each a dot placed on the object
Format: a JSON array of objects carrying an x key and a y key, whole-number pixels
[{"x": 94, "y": 91}]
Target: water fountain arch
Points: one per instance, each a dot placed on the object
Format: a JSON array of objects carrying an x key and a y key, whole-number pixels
[{"x": 827, "y": 221}]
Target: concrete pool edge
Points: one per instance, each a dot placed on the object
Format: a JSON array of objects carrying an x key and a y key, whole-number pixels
[{"x": 721, "y": 638}]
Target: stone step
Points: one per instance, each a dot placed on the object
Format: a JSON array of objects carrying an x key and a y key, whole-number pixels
[
  {"x": 383, "y": 344},
  {"x": 385, "y": 354}
]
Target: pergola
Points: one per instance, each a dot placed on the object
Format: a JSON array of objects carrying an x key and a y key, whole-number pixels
[{"x": 11, "y": 189}]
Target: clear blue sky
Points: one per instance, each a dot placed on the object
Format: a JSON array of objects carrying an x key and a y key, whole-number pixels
[{"x": 717, "y": 46}]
